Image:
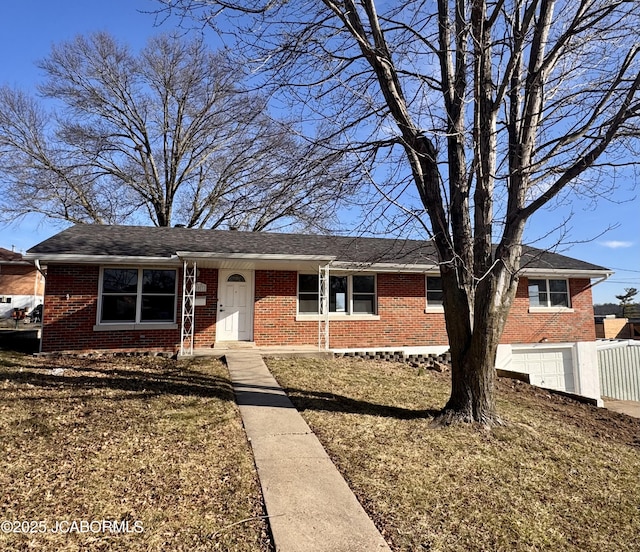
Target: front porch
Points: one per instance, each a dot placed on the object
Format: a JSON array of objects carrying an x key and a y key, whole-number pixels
[
  {"x": 221, "y": 349},
  {"x": 231, "y": 307}
]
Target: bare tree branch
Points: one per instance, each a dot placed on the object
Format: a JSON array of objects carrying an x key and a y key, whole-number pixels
[
  {"x": 492, "y": 108},
  {"x": 168, "y": 135}
]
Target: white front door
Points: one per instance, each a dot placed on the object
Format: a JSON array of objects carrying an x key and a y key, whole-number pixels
[{"x": 235, "y": 306}]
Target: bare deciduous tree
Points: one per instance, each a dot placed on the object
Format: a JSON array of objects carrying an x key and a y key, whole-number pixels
[
  {"x": 494, "y": 108},
  {"x": 168, "y": 135}
]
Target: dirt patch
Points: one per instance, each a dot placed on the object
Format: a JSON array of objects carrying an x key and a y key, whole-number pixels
[{"x": 595, "y": 422}]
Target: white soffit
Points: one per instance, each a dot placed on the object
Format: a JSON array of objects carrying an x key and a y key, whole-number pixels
[
  {"x": 565, "y": 272},
  {"x": 69, "y": 258},
  {"x": 255, "y": 261},
  {"x": 244, "y": 261}
]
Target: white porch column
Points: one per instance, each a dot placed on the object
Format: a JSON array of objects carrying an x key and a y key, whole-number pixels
[
  {"x": 189, "y": 276},
  {"x": 323, "y": 307}
]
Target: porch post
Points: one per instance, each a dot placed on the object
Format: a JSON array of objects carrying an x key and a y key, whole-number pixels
[
  {"x": 189, "y": 275},
  {"x": 323, "y": 307}
]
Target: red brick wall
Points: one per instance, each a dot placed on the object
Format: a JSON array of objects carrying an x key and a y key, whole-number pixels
[
  {"x": 68, "y": 323},
  {"x": 401, "y": 304},
  {"x": 20, "y": 280},
  {"x": 403, "y": 322},
  {"x": 205, "y": 316},
  {"x": 275, "y": 311},
  {"x": 556, "y": 327}
]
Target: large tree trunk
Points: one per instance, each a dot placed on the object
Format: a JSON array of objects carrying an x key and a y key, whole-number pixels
[
  {"x": 474, "y": 344},
  {"x": 472, "y": 384}
]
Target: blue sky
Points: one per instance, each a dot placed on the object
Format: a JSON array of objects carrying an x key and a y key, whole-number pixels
[{"x": 28, "y": 29}]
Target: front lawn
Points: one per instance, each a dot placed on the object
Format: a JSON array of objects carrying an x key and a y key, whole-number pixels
[
  {"x": 124, "y": 454},
  {"x": 559, "y": 476}
]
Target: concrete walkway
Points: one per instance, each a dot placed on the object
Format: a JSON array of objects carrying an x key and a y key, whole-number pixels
[
  {"x": 309, "y": 504},
  {"x": 630, "y": 408}
]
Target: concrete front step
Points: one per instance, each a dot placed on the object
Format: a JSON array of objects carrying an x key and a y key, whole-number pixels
[
  {"x": 234, "y": 345},
  {"x": 222, "y": 348}
]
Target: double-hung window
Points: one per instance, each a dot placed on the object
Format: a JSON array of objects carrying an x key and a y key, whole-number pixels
[
  {"x": 363, "y": 296},
  {"x": 348, "y": 294},
  {"x": 434, "y": 293},
  {"x": 137, "y": 295},
  {"x": 547, "y": 293},
  {"x": 308, "y": 302}
]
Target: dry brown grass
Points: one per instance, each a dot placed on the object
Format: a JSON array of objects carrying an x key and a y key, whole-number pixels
[
  {"x": 128, "y": 439},
  {"x": 559, "y": 476}
]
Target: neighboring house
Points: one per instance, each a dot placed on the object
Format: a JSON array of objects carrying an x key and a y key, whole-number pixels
[
  {"x": 21, "y": 284},
  {"x": 610, "y": 327},
  {"x": 176, "y": 289}
]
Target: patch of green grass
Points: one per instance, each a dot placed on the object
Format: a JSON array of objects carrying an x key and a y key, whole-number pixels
[
  {"x": 150, "y": 440},
  {"x": 559, "y": 476}
]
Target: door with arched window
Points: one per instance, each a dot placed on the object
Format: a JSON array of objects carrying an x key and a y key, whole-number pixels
[{"x": 235, "y": 306}]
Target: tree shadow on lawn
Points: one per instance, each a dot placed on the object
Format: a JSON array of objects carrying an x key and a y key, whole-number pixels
[
  {"x": 330, "y": 402},
  {"x": 134, "y": 383}
]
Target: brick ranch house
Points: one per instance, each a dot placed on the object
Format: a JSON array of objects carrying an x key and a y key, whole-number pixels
[{"x": 129, "y": 288}]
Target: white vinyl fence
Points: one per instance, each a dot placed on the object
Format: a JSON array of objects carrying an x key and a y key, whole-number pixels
[{"x": 619, "y": 366}]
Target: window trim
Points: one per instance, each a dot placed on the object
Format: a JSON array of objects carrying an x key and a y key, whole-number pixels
[
  {"x": 431, "y": 308},
  {"x": 315, "y": 293},
  {"x": 349, "y": 314},
  {"x": 137, "y": 324},
  {"x": 548, "y": 308}
]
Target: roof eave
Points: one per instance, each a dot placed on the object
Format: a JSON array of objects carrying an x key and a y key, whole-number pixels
[
  {"x": 203, "y": 255},
  {"x": 69, "y": 258},
  {"x": 16, "y": 263},
  {"x": 570, "y": 272},
  {"x": 264, "y": 259},
  {"x": 384, "y": 267}
]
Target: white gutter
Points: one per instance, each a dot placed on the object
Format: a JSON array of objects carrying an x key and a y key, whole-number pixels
[
  {"x": 195, "y": 255},
  {"x": 70, "y": 258},
  {"x": 602, "y": 279},
  {"x": 571, "y": 272},
  {"x": 399, "y": 267},
  {"x": 336, "y": 265},
  {"x": 384, "y": 267},
  {"x": 14, "y": 263}
]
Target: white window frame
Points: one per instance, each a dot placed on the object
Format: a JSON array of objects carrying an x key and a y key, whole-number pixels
[
  {"x": 549, "y": 307},
  {"x": 348, "y": 314},
  {"x": 136, "y": 324},
  {"x": 431, "y": 307},
  {"x": 351, "y": 293},
  {"x": 316, "y": 293}
]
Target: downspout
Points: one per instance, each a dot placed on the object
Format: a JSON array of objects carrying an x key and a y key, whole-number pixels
[
  {"x": 604, "y": 278},
  {"x": 599, "y": 401},
  {"x": 36, "y": 282},
  {"x": 36, "y": 263}
]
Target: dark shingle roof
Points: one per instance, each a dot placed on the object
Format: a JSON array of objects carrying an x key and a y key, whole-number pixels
[
  {"x": 143, "y": 241},
  {"x": 140, "y": 241},
  {"x": 9, "y": 256}
]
